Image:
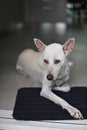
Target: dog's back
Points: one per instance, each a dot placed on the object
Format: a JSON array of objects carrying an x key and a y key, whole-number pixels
[{"x": 27, "y": 64}]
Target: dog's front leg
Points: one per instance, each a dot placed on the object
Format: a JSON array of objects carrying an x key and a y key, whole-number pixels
[{"x": 47, "y": 93}]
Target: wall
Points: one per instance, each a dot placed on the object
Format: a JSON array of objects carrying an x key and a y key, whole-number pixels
[
  {"x": 10, "y": 11},
  {"x": 45, "y": 10}
]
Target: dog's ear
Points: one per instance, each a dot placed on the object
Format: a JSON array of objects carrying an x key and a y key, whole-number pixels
[
  {"x": 39, "y": 44},
  {"x": 68, "y": 46}
]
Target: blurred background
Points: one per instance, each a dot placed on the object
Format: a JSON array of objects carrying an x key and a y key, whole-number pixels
[{"x": 49, "y": 20}]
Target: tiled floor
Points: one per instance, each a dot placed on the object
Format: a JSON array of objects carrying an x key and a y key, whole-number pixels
[{"x": 14, "y": 43}]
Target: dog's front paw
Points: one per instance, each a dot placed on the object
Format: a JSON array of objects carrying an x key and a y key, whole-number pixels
[
  {"x": 65, "y": 88},
  {"x": 74, "y": 112}
]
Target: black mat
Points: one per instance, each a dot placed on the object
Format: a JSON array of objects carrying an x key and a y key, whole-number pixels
[{"x": 30, "y": 105}]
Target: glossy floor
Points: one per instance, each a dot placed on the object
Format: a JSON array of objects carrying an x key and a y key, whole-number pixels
[{"x": 16, "y": 41}]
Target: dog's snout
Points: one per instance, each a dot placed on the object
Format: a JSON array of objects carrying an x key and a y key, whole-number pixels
[{"x": 50, "y": 77}]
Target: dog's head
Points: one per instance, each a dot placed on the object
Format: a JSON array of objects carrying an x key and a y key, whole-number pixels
[{"x": 53, "y": 56}]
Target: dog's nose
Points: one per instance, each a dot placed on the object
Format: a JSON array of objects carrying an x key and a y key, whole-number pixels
[{"x": 50, "y": 77}]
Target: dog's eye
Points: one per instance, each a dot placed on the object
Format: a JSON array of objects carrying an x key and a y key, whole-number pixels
[
  {"x": 46, "y": 61},
  {"x": 56, "y": 61}
]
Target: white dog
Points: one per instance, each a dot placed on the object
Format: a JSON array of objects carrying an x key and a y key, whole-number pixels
[{"x": 49, "y": 66}]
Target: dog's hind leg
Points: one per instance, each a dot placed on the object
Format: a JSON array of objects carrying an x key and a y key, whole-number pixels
[{"x": 19, "y": 69}]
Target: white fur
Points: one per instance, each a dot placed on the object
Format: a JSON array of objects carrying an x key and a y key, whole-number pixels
[{"x": 32, "y": 64}]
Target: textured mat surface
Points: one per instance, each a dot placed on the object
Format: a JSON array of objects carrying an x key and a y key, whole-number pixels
[{"x": 30, "y": 105}]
